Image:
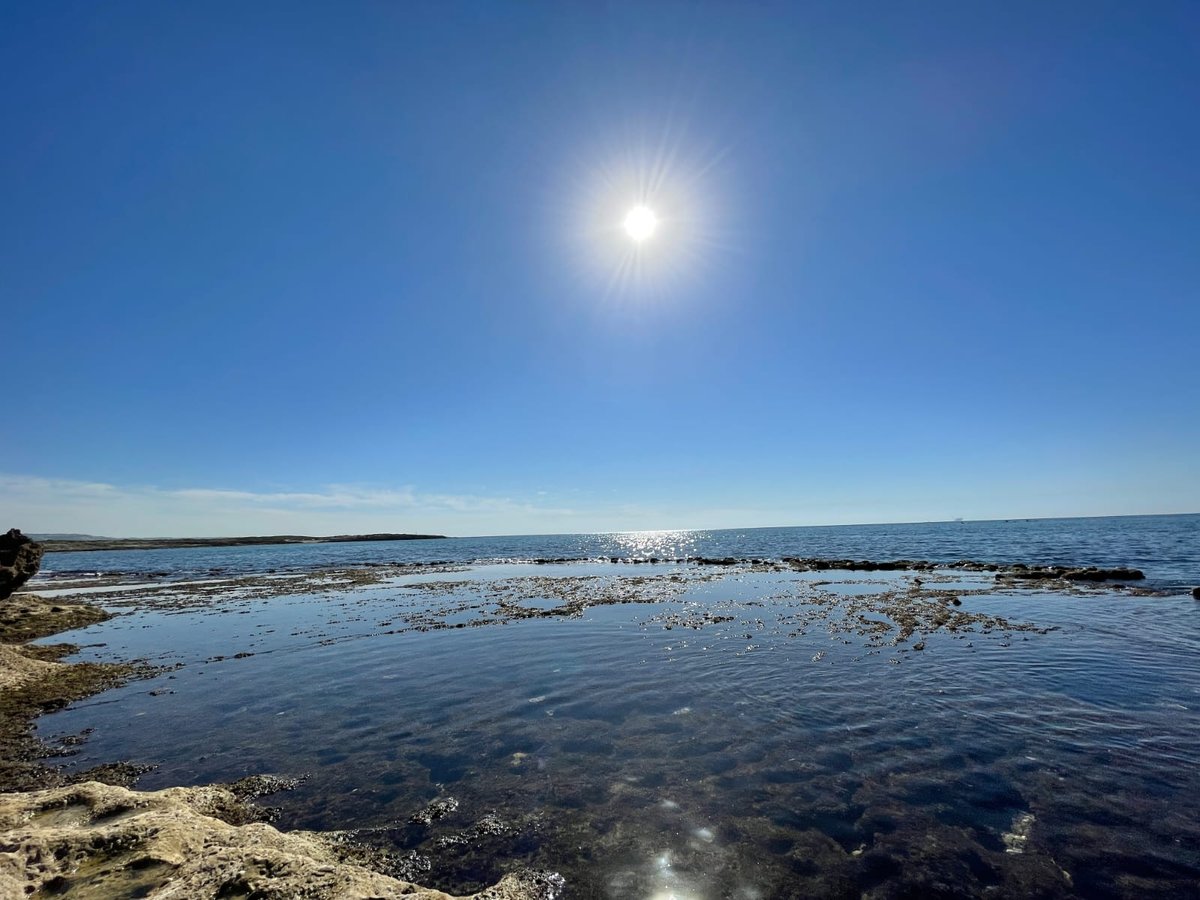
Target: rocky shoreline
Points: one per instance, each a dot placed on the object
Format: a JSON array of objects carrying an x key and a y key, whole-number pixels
[{"x": 89, "y": 835}]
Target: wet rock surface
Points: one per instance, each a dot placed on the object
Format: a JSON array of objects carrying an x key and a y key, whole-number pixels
[
  {"x": 437, "y": 809},
  {"x": 97, "y": 840},
  {"x": 25, "y": 617}
]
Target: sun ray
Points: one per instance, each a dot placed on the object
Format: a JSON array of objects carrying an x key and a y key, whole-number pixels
[{"x": 647, "y": 214}]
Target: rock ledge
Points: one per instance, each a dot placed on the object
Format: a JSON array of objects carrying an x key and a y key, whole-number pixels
[{"x": 103, "y": 841}]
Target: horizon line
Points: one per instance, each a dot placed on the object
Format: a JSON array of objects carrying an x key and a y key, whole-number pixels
[{"x": 963, "y": 521}]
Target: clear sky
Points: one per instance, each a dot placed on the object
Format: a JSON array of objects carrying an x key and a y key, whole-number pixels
[{"x": 359, "y": 266}]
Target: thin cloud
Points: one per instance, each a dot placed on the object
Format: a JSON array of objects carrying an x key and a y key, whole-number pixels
[{"x": 54, "y": 504}]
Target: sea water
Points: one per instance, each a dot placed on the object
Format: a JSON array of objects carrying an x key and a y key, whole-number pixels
[
  {"x": 1166, "y": 547},
  {"x": 692, "y": 731}
]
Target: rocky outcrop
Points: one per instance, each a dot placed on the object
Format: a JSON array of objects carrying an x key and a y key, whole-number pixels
[
  {"x": 96, "y": 840},
  {"x": 20, "y": 558}
]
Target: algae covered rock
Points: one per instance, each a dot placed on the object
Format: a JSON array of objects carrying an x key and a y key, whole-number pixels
[{"x": 20, "y": 558}]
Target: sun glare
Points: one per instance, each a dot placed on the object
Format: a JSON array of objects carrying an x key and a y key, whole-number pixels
[
  {"x": 641, "y": 218},
  {"x": 640, "y": 223}
]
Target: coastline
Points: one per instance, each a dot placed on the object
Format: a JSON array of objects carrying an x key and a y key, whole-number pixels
[
  {"x": 87, "y": 545},
  {"x": 90, "y": 832},
  {"x": 903, "y": 610}
]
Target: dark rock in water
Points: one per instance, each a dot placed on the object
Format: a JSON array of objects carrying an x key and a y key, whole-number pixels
[
  {"x": 20, "y": 558},
  {"x": 1066, "y": 573},
  {"x": 812, "y": 564},
  {"x": 436, "y": 809},
  {"x": 120, "y": 774},
  {"x": 1196, "y": 593},
  {"x": 1093, "y": 574},
  {"x": 254, "y": 786}
]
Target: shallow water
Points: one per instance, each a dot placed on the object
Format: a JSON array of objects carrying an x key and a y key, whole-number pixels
[{"x": 691, "y": 731}]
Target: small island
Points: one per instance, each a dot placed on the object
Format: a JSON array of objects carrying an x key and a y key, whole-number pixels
[{"x": 103, "y": 543}]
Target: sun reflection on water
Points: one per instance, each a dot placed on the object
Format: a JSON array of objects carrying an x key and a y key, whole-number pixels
[
  {"x": 671, "y": 885},
  {"x": 657, "y": 544}
]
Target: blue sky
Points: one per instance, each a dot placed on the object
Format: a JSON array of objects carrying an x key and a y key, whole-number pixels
[{"x": 337, "y": 267}]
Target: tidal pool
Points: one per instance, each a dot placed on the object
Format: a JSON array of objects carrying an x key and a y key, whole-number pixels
[{"x": 683, "y": 731}]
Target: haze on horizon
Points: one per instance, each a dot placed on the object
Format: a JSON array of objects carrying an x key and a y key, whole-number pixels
[{"x": 529, "y": 268}]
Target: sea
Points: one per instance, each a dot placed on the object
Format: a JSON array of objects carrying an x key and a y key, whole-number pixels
[
  {"x": 680, "y": 730},
  {"x": 1167, "y": 548}
]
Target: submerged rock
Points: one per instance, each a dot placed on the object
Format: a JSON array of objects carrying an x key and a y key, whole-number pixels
[{"x": 20, "y": 558}]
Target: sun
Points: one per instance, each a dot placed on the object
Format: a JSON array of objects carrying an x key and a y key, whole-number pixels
[{"x": 640, "y": 223}]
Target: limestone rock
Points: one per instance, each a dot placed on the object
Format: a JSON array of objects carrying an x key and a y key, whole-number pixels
[{"x": 100, "y": 841}]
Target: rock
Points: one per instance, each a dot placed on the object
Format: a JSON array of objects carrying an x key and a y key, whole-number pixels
[
  {"x": 1087, "y": 573},
  {"x": 714, "y": 561},
  {"x": 1094, "y": 574},
  {"x": 16, "y": 668},
  {"x": 436, "y": 809},
  {"x": 1196, "y": 593},
  {"x": 100, "y": 841},
  {"x": 20, "y": 558}
]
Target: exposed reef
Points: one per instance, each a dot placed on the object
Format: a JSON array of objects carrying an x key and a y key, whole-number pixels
[
  {"x": 928, "y": 600},
  {"x": 1017, "y": 570},
  {"x": 820, "y": 564}
]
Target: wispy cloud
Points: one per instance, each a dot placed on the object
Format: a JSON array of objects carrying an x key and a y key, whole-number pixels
[
  {"x": 40, "y": 504},
  {"x": 50, "y": 504}
]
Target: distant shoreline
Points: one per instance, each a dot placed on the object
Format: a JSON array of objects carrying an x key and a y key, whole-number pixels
[{"x": 83, "y": 546}]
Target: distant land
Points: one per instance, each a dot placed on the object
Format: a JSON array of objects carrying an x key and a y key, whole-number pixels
[
  {"x": 67, "y": 537},
  {"x": 81, "y": 543}
]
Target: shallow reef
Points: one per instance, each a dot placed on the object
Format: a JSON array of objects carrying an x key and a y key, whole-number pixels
[{"x": 689, "y": 728}]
